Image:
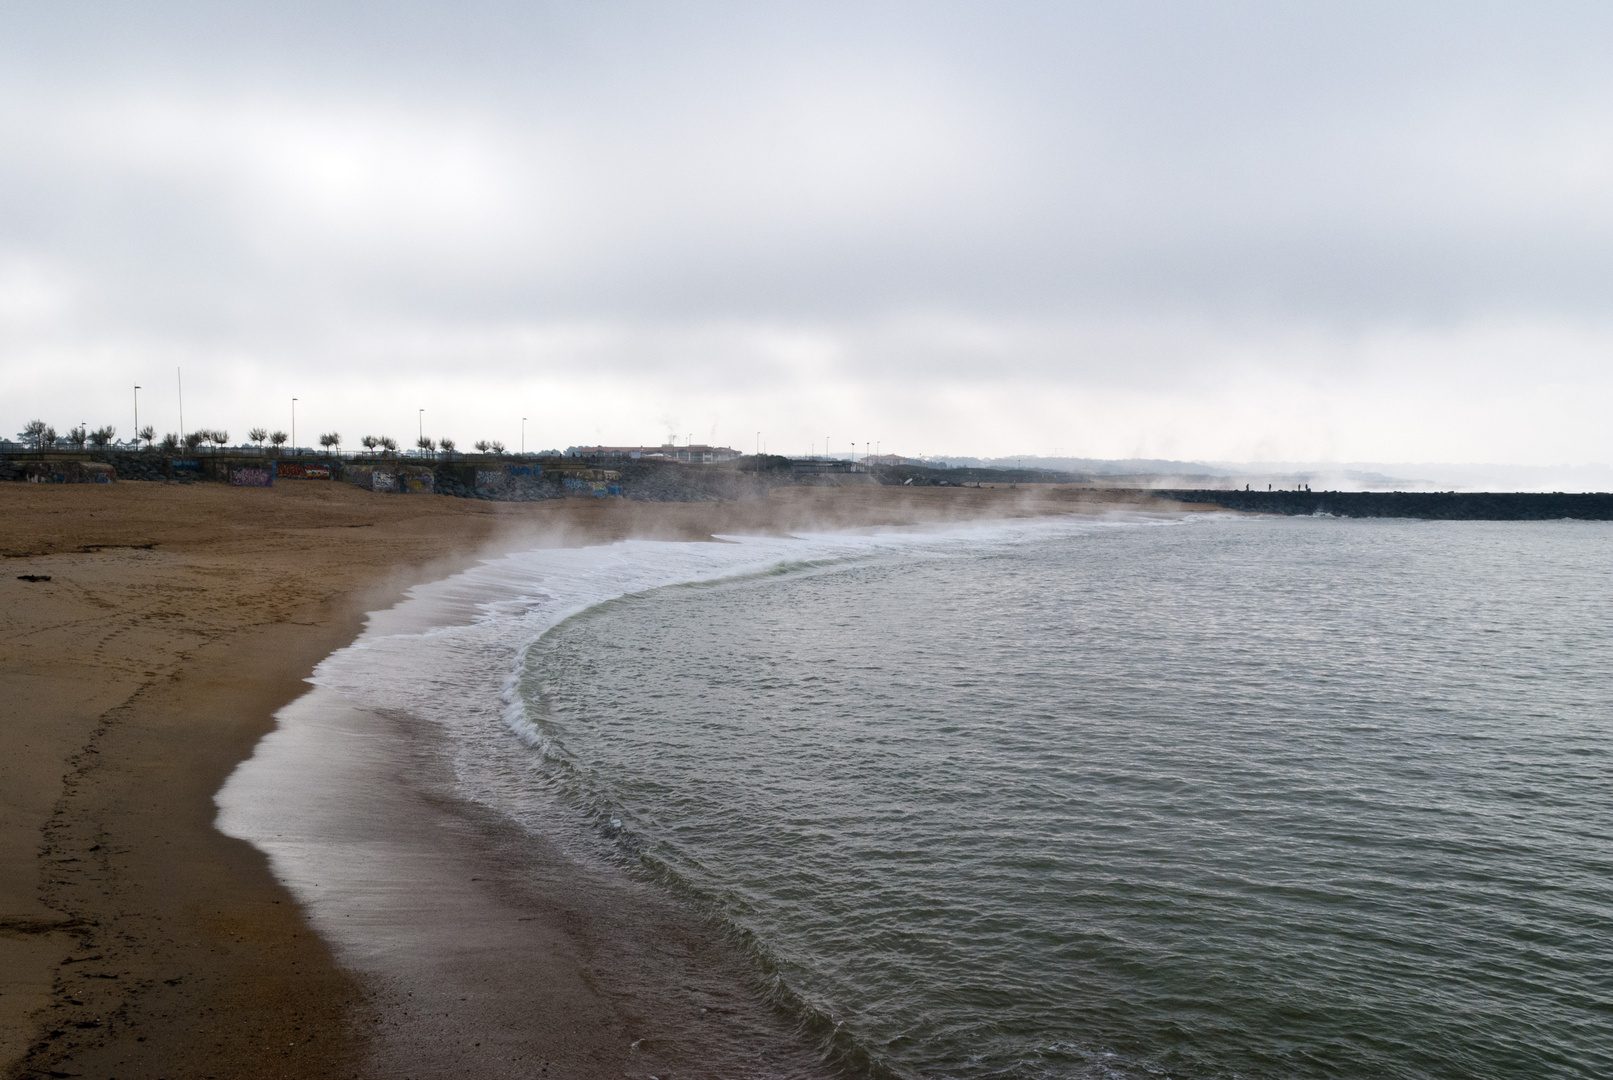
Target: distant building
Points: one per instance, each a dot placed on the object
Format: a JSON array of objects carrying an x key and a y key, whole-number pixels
[
  {"x": 890, "y": 459},
  {"x": 694, "y": 454}
]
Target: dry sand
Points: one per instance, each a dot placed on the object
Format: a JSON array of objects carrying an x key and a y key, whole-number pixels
[{"x": 135, "y": 939}]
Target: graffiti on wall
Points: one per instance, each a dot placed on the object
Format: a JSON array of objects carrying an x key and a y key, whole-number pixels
[
  {"x": 597, "y": 488},
  {"x": 252, "y": 476},
  {"x": 301, "y": 471},
  {"x": 68, "y": 472}
]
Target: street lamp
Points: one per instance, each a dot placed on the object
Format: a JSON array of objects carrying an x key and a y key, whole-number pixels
[
  {"x": 421, "y": 421},
  {"x": 293, "y": 425},
  {"x": 523, "y": 436},
  {"x": 137, "y": 417}
]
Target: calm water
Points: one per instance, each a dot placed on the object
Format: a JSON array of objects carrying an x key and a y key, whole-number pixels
[{"x": 1230, "y": 798}]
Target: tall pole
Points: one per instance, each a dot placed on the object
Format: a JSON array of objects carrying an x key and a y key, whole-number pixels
[
  {"x": 758, "y": 444},
  {"x": 523, "y": 436},
  {"x": 421, "y": 422},
  {"x": 293, "y": 425},
  {"x": 179, "y": 376},
  {"x": 137, "y": 417}
]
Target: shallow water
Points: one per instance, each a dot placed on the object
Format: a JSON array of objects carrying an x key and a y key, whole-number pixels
[{"x": 1226, "y": 797}]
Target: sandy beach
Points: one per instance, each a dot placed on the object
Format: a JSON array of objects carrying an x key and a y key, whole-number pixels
[{"x": 136, "y": 939}]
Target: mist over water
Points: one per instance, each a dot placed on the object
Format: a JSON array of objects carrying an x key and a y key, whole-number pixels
[{"x": 1230, "y": 797}]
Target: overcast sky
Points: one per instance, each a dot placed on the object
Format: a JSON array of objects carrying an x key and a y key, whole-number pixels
[{"x": 1251, "y": 231}]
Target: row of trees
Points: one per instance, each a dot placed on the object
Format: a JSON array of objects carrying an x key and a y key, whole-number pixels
[
  {"x": 41, "y": 436},
  {"x": 386, "y": 446},
  {"x": 38, "y": 435}
]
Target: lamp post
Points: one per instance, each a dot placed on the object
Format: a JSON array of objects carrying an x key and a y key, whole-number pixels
[
  {"x": 179, "y": 378},
  {"x": 420, "y": 421},
  {"x": 137, "y": 417},
  {"x": 293, "y": 425},
  {"x": 523, "y": 436}
]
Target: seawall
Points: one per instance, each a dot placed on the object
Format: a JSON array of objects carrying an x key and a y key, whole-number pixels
[{"x": 1436, "y": 505}]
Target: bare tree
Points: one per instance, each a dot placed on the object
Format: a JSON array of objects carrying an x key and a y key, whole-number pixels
[
  {"x": 77, "y": 436},
  {"x": 483, "y": 446},
  {"x": 170, "y": 443},
  {"x": 33, "y": 434},
  {"x": 425, "y": 445},
  {"x": 369, "y": 442},
  {"x": 389, "y": 444},
  {"x": 147, "y": 434},
  {"x": 102, "y": 435},
  {"x": 331, "y": 441},
  {"x": 448, "y": 447},
  {"x": 496, "y": 446},
  {"x": 218, "y": 437},
  {"x": 277, "y": 440},
  {"x": 257, "y": 435}
]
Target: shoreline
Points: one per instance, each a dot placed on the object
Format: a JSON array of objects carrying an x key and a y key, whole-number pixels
[{"x": 177, "y": 621}]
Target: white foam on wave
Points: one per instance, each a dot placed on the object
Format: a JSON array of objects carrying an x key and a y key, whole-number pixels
[{"x": 317, "y": 792}]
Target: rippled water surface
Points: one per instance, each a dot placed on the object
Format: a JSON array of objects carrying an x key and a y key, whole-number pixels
[{"x": 1226, "y": 798}]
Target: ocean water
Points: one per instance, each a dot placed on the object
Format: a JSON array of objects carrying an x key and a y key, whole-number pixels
[
  {"x": 1219, "y": 798},
  {"x": 1195, "y": 797}
]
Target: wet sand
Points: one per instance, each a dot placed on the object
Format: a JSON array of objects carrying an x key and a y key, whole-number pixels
[{"x": 137, "y": 940}]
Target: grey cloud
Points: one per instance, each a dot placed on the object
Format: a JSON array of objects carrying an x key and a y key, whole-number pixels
[
  {"x": 286, "y": 180},
  {"x": 713, "y": 161}
]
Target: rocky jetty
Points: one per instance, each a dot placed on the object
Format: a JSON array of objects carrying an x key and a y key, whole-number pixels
[{"x": 1435, "y": 505}]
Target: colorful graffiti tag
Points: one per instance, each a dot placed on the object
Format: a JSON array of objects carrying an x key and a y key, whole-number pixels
[
  {"x": 597, "y": 488},
  {"x": 252, "y": 476}
]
